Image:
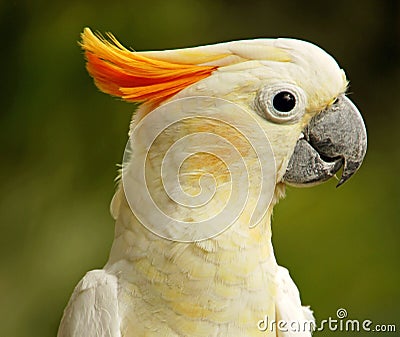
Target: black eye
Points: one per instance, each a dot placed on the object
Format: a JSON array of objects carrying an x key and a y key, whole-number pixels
[
  {"x": 281, "y": 103},
  {"x": 284, "y": 101}
]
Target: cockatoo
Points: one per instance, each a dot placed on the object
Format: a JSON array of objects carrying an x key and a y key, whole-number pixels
[{"x": 236, "y": 120}]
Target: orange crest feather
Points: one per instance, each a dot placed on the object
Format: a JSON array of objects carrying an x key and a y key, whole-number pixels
[{"x": 127, "y": 74}]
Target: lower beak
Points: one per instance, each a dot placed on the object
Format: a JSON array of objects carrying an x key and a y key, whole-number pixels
[{"x": 334, "y": 138}]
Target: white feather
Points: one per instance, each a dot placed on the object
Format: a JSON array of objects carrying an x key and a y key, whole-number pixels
[
  {"x": 298, "y": 319},
  {"x": 93, "y": 308}
]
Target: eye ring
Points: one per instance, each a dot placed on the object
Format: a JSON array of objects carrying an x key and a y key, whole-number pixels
[{"x": 283, "y": 103}]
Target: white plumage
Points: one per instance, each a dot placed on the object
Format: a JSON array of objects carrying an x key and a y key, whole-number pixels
[{"x": 224, "y": 285}]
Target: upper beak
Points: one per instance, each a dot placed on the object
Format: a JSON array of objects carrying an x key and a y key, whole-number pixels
[{"x": 336, "y": 137}]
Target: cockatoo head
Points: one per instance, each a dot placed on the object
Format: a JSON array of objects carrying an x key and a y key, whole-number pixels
[{"x": 292, "y": 89}]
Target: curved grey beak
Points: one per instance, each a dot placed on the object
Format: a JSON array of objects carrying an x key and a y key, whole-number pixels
[{"x": 336, "y": 137}]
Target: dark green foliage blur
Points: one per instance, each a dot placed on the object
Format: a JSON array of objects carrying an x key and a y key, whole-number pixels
[{"x": 61, "y": 140}]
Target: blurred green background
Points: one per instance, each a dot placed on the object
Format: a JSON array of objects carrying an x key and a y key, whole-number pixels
[{"x": 61, "y": 139}]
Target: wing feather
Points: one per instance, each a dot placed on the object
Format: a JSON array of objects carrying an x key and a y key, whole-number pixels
[
  {"x": 92, "y": 310},
  {"x": 299, "y": 320}
]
